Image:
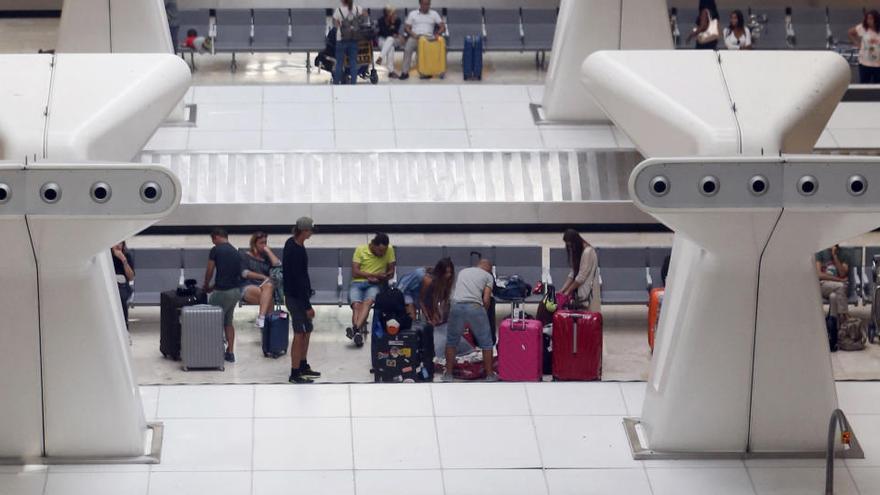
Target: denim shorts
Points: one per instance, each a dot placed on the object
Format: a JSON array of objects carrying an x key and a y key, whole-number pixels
[
  {"x": 361, "y": 291},
  {"x": 471, "y": 315}
]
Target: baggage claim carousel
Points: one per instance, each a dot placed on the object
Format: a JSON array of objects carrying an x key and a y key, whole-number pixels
[{"x": 418, "y": 191}]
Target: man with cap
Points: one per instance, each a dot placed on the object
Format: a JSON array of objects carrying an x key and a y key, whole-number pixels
[{"x": 297, "y": 295}]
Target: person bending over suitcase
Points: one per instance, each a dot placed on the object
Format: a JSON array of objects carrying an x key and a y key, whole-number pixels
[
  {"x": 582, "y": 283},
  {"x": 471, "y": 297},
  {"x": 372, "y": 266},
  {"x": 258, "y": 287},
  {"x": 225, "y": 259},
  {"x": 297, "y": 295},
  {"x": 832, "y": 266},
  {"x": 424, "y": 22},
  {"x": 417, "y": 287}
]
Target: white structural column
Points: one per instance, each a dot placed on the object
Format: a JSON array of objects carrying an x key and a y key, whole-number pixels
[
  {"x": 67, "y": 392},
  {"x": 741, "y": 365},
  {"x": 114, "y": 26},
  {"x": 587, "y": 26}
]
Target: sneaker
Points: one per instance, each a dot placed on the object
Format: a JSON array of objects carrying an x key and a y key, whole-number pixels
[
  {"x": 492, "y": 378},
  {"x": 404, "y": 76},
  {"x": 229, "y": 357},
  {"x": 298, "y": 378},
  {"x": 307, "y": 371},
  {"x": 349, "y": 333},
  {"x": 447, "y": 378},
  {"x": 393, "y": 75},
  {"x": 379, "y": 61},
  {"x": 261, "y": 321}
]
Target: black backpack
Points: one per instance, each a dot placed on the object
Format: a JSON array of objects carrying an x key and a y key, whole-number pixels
[{"x": 390, "y": 304}]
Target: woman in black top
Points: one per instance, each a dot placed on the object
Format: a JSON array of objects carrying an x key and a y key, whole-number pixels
[
  {"x": 124, "y": 268},
  {"x": 258, "y": 287},
  {"x": 389, "y": 39}
]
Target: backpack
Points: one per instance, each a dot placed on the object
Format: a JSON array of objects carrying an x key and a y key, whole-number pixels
[
  {"x": 349, "y": 26},
  {"x": 390, "y": 304},
  {"x": 511, "y": 288},
  {"x": 852, "y": 334}
]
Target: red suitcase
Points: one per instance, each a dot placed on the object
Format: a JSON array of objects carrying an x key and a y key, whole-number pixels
[
  {"x": 577, "y": 345},
  {"x": 520, "y": 350}
]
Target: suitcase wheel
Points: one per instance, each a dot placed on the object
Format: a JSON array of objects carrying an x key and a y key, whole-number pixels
[
  {"x": 374, "y": 77},
  {"x": 185, "y": 368},
  {"x": 265, "y": 354}
]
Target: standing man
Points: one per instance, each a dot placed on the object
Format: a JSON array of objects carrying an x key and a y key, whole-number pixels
[
  {"x": 226, "y": 291},
  {"x": 833, "y": 268},
  {"x": 471, "y": 297},
  {"x": 372, "y": 266},
  {"x": 422, "y": 22},
  {"x": 297, "y": 295}
]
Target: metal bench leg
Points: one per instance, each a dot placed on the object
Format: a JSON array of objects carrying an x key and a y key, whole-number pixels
[
  {"x": 234, "y": 66},
  {"x": 308, "y": 63}
]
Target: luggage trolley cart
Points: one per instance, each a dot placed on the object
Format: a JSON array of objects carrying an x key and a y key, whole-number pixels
[
  {"x": 326, "y": 59},
  {"x": 365, "y": 60}
]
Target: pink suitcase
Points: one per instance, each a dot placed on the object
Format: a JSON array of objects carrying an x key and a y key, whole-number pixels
[{"x": 520, "y": 350}]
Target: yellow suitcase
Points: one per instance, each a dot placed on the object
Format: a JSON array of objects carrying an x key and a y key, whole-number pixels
[{"x": 432, "y": 56}]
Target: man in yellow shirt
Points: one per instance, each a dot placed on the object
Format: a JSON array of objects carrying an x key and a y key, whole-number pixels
[{"x": 372, "y": 266}]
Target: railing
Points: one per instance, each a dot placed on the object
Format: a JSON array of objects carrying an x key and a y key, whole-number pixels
[{"x": 847, "y": 438}]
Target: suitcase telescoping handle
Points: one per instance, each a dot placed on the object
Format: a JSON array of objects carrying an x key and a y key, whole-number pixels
[{"x": 574, "y": 333}]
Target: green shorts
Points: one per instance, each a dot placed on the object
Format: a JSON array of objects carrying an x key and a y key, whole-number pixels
[{"x": 228, "y": 300}]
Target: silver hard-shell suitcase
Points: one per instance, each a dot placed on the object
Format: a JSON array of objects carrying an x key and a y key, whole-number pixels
[{"x": 201, "y": 340}]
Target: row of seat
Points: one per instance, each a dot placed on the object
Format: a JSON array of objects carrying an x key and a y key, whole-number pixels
[
  {"x": 815, "y": 28},
  {"x": 305, "y": 30},
  {"x": 627, "y": 274}
]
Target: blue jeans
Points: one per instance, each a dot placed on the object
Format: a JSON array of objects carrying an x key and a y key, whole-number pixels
[
  {"x": 344, "y": 48},
  {"x": 362, "y": 291},
  {"x": 473, "y": 315}
]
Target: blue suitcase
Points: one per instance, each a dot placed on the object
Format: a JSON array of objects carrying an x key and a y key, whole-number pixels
[
  {"x": 472, "y": 58},
  {"x": 275, "y": 332}
]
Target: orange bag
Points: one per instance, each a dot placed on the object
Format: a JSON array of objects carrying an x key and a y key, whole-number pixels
[{"x": 654, "y": 314}]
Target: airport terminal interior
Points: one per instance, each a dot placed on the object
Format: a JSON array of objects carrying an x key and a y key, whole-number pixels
[{"x": 658, "y": 218}]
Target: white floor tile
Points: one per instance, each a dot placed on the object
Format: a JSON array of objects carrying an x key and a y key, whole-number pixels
[
  {"x": 97, "y": 483},
  {"x": 360, "y": 93},
  {"x": 583, "y": 442},
  {"x": 423, "y": 93},
  {"x": 570, "y": 399},
  {"x": 304, "y": 93},
  {"x": 854, "y": 115},
  {"x": 365, "y": 140},
  {"x": 298, "y": 116},
  {"x": 488, "y": 442},
  {"x": 859, "y": 397},
  {"x": 223, "y": 140},
  {"x": 508, "y": 115},
  {"x": 379, "y": 443},
  {"x": 22, "y": 483},
  {"x": 425, "y": 139},
  {"x": 150, "y": 401},
  {"x": 207, "y": 401},
  {"x": 428, "y": 115},
  {"x": 285, "y": 401},
  {"x": 423, "y": 482},
  {"x": 867, "y": 429},
  {"x": 391, "y": 400},
  {"x": 717, "y": 481},
  {"x": 586, "y": 137},
  {"x": 856, "y": 138},
  {"x": 479, "y": 93},
  {"x": 278, "y": 444},
  {"x": 536, "y": 94},
  {"x": 190, "y": 95},
  {"x": 799, "y": 481},
  {"x": 634, "y": 395},
  {"x": 598, "y": 482},
  {"x": 227, "y": 94},
  {"x": 298, "y": 140},
  {"x": 229, "y": 117},
  {"x": 515, "y": 139},
  {"x": 168, "y": 138},
  {"x": 206, "y": 445},
  {"x": 495, "y": 482},
  {"x": 867, "y": 479},
  {"x": 362, "y": 116},
  {"x": 234, "y": 483},
  {"x": 311, "y": 482},
  {"x": 478, "y": 399},
  {"x": 826, "y": 140}
]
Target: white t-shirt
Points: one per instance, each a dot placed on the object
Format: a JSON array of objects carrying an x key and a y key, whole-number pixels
[
  {"x": 345, "y": 13},
  {"x": 710, "y": 34},
  {"x": 869, "y": 51},
  {"x": 734, "y": 43},
  {"x": 423, "y": 24}
]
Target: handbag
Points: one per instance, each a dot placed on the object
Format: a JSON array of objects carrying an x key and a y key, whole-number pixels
[{"x": 547, "y": 306}]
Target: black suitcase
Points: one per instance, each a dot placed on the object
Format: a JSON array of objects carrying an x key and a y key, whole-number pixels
[
  {"x": 426, "y": 351},
  {"x": 170, "y": 304},
  {"x": 395, "y": 358}
]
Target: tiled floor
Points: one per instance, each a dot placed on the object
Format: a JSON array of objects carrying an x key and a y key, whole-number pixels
[{"x": 431, "y": 439}]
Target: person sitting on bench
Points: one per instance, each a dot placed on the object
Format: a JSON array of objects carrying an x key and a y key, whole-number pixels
[
  {"x": 833, "y": 266},
  {"x": 258, "y": 286},
  {"x": 372, "y": 266},
  {"x": 423, "y": 22}
]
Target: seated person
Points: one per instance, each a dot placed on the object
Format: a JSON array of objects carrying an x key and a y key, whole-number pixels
[
  {"x": 198, "y": 43},
  {"x": 832, "y": 266},
  {"x": 389, "y": 39},
  {"x": 372, "y": 266},
  {"x": 258, "y": 286},
  {"x": 419, "y": 23},
  {"x": 417, "y": 286}
]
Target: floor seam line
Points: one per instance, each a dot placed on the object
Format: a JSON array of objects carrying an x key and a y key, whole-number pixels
[
  {"x": 525, "y": 390},
  {"x": 437, "y": 438}
]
